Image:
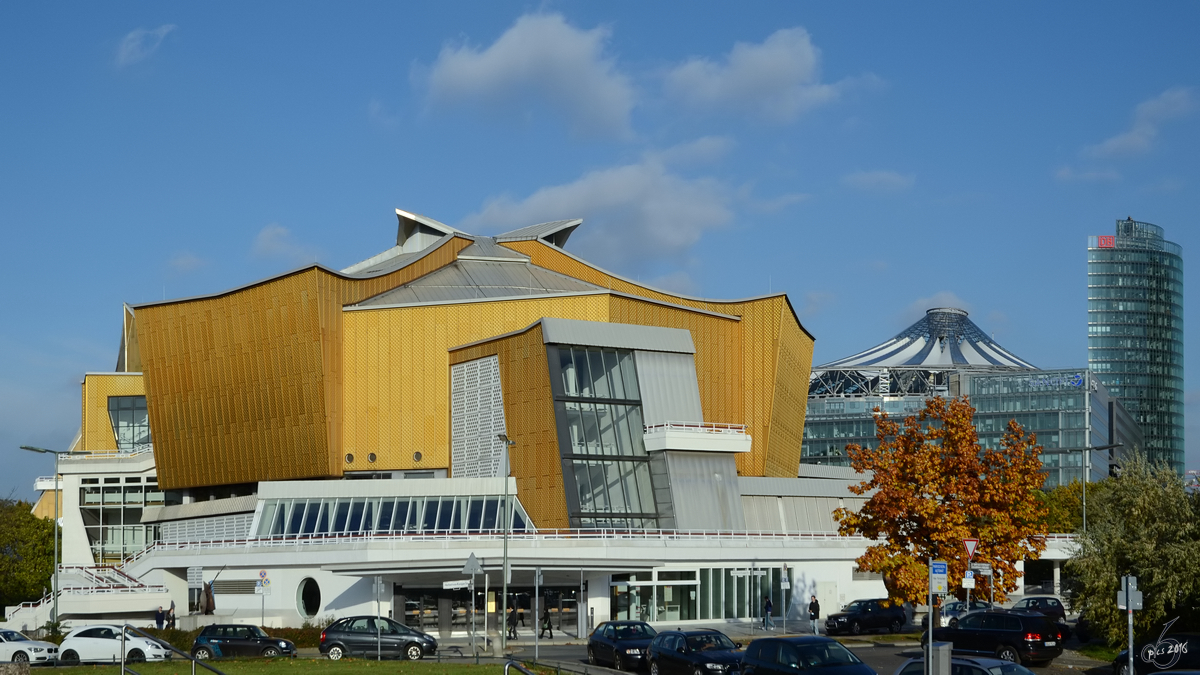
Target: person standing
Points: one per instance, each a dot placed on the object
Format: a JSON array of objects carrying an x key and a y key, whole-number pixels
[
  {"x": 768, "y": 624},
  {"x": 814, "y": 614},
  {"x": 512, "y": 623},
  {"x": 171, "y": 616},
  {"x": 158, "y": 618},
  {"x": 546, "y": 627}
]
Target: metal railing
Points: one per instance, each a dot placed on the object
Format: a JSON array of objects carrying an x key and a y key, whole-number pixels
[
  {"x": 164, "y": 643},
  {"x": 698, "y": 427}
]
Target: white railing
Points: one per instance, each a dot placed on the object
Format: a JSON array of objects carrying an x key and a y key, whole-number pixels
[
  {"x": 698, "y": 427},
  {"x": 108, "y": 454}
]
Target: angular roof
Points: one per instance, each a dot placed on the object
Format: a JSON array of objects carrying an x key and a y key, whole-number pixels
[
  {"x": 466, "y": 279},
  {"x": 943, "y": 339},
  {"x": 554, "y": 232}
]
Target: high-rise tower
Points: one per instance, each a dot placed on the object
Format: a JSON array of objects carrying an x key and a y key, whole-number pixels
[{"x": 1135, "y": 330}]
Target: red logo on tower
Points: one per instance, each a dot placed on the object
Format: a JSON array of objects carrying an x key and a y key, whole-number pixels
[{"x": 1106, "y": 241}]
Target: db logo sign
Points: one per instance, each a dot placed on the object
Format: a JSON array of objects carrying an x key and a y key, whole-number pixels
[{"x": 1107, "y": 241}]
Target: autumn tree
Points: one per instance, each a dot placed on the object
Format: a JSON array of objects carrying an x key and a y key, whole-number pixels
[
  {"x": 1144, "y": 523},
  {"x": 26, "y": 553},
  {"x": 931, "y": 486}
]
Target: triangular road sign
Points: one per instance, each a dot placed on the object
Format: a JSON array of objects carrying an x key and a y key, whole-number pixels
[
  {"x": 472, "y": 566},
  {"x": 971, "y": 545}
]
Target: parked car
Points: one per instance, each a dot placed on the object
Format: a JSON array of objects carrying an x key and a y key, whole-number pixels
[
  {"x": 357, "y": 636},
  {"x": 1176, "y": 652},
  {"x": 17, "y": 648},
  {"x": 1043, "y": 604},
  {"x": 622, "y": 643},
  {"x": 1022, "y": 637},
  {"x": 864, "y": 616},
  {"x": 954, "y": 610},
  {"x": 102, "y": 644},
  {"x": 694, "y": 652},
  {"x": 224, "y": 640},
  {"x": 790, "y": 655},
  {"x": 960, "y": 665}
]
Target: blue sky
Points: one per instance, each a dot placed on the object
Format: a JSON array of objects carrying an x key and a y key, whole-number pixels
[{"x": 870, "y": 159}]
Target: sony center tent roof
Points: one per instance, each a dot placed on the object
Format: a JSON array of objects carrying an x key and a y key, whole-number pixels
[{"x": 943, "y": 339}]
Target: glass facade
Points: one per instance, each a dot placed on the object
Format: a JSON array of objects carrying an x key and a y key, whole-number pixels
[
  {"x": 344, "y": 516},
  {"x": 698, "y": 594},
  {"x": 1068, "y": 409},
  {"x": 111, "y": 508},
  {"x": 1135, "y": 330},
  {"x": 130, "y": 423},
  {"x": 598, "y": 412}
]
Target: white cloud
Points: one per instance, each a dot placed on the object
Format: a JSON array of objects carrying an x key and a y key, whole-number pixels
[
  {"x": 276, "y": 241},
  {"x": 814, "y": 302},
  {"x": 381, "y": 116},
  {"x": 879, "y": 182},
  {"x": 1147, "y": 118},
  {"x": 186, "y": 262},
  {"x": 776, "y": 80},
  {"x": 140, "y": 43},
  {"x": 541, "y": 58},
  {"x": 704, "y": 150},
  {"x": 777, "y": 204},
  {"x": 917, "y": 309},
  {"x": 636, "y": 214},
  {"x": 1067, "y": 173}
]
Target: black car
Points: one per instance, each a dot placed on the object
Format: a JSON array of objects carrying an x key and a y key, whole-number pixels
[
  {"x": 954, "y": 610},
  {"x": 694, "y": 652},
  {"x": 225, "y": 640},
  {"x": 788, "y": 656},
  {"x": 967, "y": 666},
  {"x": 622, "y": 643},
  {"x": 1043, "y": 604},
  {"x": 863, "y": 616},
  {"x": 1011, "y": 636},
  {"x": 364, "y": 635},
  {"x": 1176, "y": 652}
]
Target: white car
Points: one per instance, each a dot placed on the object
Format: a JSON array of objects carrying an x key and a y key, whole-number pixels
[
  {"x": 20, "y": 649},
  {"x": 102, "y": 644}
]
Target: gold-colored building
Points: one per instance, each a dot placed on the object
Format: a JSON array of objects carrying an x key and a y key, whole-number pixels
[{"x": 413, "y": 362}]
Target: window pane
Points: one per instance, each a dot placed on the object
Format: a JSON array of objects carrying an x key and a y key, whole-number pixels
[
  {"x": 629, "y": 484},
  {"x": 431, "y": 514},
  {"x": 600, "y": 501},
  {"x": 310, "y": 518},
  {"x": 582, "y": 372},
  {"x": 612, "y": 367},
  {"x": 490, "y": 507},
  {"x": 600, "y": 387},
  {"x": 268, "y": 515},
  {"x": 569, "y": 375},
  {"x": 475, "y": 517},
  {"x": 445, "y": 521},
  {"x": 356, "y": 516},
  {"x": 591, "y": 429},
  {"x": 629, "y": 376},
  {"x": 636, "y": 429},
  {"x": 386, "y": 507},
  {"x": 368, "y": 520},
  {"x": 341, "y": 514},
  {"x": 401, "y": 517},
  {"x": 618, "y": 501},
  {"x": 297, "y": 517},
  {"x": 323, "y": 518},
  {"x": 584, "y": 483},
  {"x": 621, "y": 423},
  {"x": 645, "y": 488},
  {"x": 608, "y": 437},
  {"x": 575, "y": 428}
]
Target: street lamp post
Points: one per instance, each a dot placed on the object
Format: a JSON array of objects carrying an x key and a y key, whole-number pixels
[
  {"x": 503, "y": 438},
  {"x": 57, "y": 496},
  {"x": 1087, "y": 472}
]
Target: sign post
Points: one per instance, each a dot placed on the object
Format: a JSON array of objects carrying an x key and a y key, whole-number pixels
[
  {"x": 970, "y": 544},
  {"x": 982, "y": 569},
  {"x": 378, "y": 588},
  {"x": 471, "y": 569},
  {"x": 1129, "y": 598},
  {"x": 263, "y": 588}
]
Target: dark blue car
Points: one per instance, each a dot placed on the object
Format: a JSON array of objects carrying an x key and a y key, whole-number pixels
[
  {"x": 620, "y": 643},
  {"x": 226, "y": 640},
  {"x": 694, "y": 652},
  {"x": 793, "y": 655}
]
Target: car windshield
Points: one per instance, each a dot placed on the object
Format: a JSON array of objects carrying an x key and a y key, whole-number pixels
[
  {"x": 1010, "y": 669},
  {"x": 634, "y": 632},
  {"x": 825, "y": 654},
  {"x": 954, "y": 607},
  {"x": 855, "y": 606},
  {"x": 12, "y": 636},
  {"x": 709, "y": 642},
  {"x": 257, "y": 632}
]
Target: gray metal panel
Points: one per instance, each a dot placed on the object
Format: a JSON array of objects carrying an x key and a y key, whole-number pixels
[
  {"x": 539, "y": 231},
  {"x": 704, "y": 491},
  {"x": 213, "y": 507},
  {"x": 799, "y": 487},
  {"x": 469, "y": 279},
  {"x": 660, "y": 477},
  {"x": 670, "y": 392},
  {"x": 617, "y": 335},
  {"x": 486, "y": 247}
]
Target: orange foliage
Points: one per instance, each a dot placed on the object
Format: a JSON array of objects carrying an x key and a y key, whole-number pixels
[{"x": 933, "y": 486}]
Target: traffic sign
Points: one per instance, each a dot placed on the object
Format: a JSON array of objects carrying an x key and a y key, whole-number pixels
[
  {"x": 472, "y": 566},
  {"x": 449, "y": 585},
  {"x": 971, "y": 545},
  {"x": 265, "y": 582},
  {"x": 938, "y": 573},
  {"x": 1135, "y": 600},
  {"x": 982, "y": 569},
  {"x": 968, "y": 579},
  {"x": 262, "y": 574}
]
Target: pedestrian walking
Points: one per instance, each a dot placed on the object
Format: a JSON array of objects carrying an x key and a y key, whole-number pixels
[
  {"x": 158, "y": 618},
  {"x": 814, "y": 613},
  {"x": 512, "y": 623},
  {"x": 171, "y": 616},
  {"x": 768, "y": 624},
  {"x": 546, "y": 627}
]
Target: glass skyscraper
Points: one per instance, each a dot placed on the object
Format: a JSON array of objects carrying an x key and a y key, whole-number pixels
[{"x": 1135, "y": 330}]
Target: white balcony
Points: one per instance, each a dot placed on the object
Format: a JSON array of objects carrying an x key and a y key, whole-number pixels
[
  {"x": 697, "y": 437},
  {"x": 45, "y": 483}
]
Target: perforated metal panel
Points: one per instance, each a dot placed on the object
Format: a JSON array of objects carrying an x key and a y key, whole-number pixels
[
  {"x": 476, "y": 418},
  {"x": 96, "y": 434}
]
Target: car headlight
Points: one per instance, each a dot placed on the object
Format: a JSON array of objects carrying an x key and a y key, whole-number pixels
[
  {"x": 841, "y": 619},
  {"x": 715, "y": 666},
  {"x": 633, "y": 651},
  {"x": 36, "y": 650},
  {"x": 282, "y": 644}
]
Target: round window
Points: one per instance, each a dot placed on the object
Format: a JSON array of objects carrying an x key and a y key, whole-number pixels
[
  {"x": 308, "y": 598},
  {"x": 349, "y": 458},
  {"x": 416, "y": 456},
  {"x": 371, "y": 457}
]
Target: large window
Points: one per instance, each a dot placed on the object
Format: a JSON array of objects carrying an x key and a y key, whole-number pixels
[
  {"x": 130, "y": 423},
  {"x": 347, "y": 516},
  {"x": 600, "y": 428}
]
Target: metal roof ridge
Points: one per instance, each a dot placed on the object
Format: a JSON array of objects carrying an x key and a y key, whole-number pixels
[{"x": 598, "y": 291}]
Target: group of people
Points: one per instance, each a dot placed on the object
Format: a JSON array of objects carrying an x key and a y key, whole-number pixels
[
  {"x": 814, "y": 614},
  {"x": 167, "y": 617},
  {"x": 516, "y": 616}
]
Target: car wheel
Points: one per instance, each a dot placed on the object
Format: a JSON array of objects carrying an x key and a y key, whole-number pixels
[
  {"x": 954, "y": 623},
  {"x": 336, "y": 653},
  {"x": 413, "y": 652},
  {"x": 855, "y": 628},
  {"x": 697, "y": 671},
  {"x": 202, "y": 653},
  {"x": 136, "y": 656},
  {"x": 70, "y": 657},
  {"x": 20, "y": 657},
  {"x": 895, "y": 626},
  {"x": 1124, "y": 669},
  {"x": 270, "y": 652},
  {"x": 654, "y": 668},
  {"x": 618, "y": 662},
  {"x": 591, "y": 657},
  {"x": 1007, "y": 653}
]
